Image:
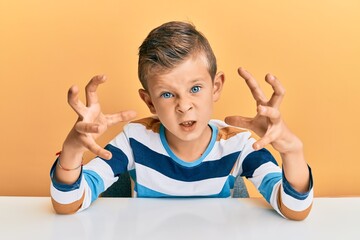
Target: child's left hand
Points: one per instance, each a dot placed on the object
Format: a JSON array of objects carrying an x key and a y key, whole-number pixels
[{"x": 267, "y": 123}]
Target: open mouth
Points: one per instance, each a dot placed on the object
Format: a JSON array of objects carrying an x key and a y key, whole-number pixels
[{"x": 188, "y": 123}]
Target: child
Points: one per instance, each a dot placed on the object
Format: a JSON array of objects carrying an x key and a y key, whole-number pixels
[{"x": 182, "y": 152}]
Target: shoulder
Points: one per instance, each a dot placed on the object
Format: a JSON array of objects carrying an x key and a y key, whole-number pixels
[
  {"x": 226, "y": 131},
  {"x": 144, "y": 124}
]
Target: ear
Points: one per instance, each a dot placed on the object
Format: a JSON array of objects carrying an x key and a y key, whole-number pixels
[
  {"x": 219, "y": 81},
  {"x": 145, "y": 96}
]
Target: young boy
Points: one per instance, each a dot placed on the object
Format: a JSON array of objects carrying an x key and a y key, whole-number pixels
[{"x": 182, "y": 152}]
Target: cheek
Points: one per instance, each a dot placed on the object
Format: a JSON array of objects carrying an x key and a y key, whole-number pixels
[
  {"x": 161, "y": 106},
  {"x": 209, "y": 99},
  {"x": 207, "y": 104}
]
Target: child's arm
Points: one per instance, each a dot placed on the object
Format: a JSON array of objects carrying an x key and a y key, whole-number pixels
[
  {"x": 269, "y": 125},
  {"x": 90, "y": 125}
]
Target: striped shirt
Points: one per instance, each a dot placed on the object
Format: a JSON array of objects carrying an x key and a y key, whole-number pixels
[{"x": 142, "y": 150}]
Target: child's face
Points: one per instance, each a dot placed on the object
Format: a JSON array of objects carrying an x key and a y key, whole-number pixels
[{"x": 183, "y": 99}]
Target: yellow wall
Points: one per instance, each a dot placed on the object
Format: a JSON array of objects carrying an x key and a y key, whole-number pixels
[{"x": 46, "y": 46}]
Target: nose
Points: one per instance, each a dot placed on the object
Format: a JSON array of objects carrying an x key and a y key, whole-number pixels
[{"x": 183, "y": 106}]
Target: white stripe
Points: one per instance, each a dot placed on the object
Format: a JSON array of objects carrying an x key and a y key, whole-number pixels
[
  {"x": 121, "y": 142},
  {"x": 87, "y": 198},
  {"x": 146, "y": 137},
  {"x": 246, "y": 150},
  {"x": 67, "y": 197},
  {"x": 158, "y": 182},
  {"x": 262, "y": 171},
  {"x": 225, "y": 147},
  {"x": 296, "y": 204},
  {"x": 103, "y": 169},
  {"x": 274, "y": 197}
]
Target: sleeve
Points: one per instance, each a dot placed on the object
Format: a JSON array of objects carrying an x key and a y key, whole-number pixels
[
  {"x": 95, "y": 178},
  {"x": 261, "y": 168}
]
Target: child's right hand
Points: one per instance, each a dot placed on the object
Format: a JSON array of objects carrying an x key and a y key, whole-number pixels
[{"x": 91, "y": 123}]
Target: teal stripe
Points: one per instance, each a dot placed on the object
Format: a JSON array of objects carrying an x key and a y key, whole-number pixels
[
  {"x": 95, "y": 183},
  {"x": 231, "y": 181},
  {"x": 143, "y": 191},
  {"x": 267, "y": 184}
]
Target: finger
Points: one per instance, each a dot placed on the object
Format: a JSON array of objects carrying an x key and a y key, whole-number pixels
[
  {"x": 253, "y": 85},
  {"x": 262, "y": 142},
  {"x": 239, "y": 121},
  {"x": 279, "y": 90},
  {"x": 270, "y": 112},
  {"x": 97, "y": 150},
  {"x": 84, "y": 127},
  {"x": 91, "y": 87},
  {"x": 74, "y": 102},
  {"x": 123, "y": 116}
]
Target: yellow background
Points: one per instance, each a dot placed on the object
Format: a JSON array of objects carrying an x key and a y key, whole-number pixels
[{"x": 46, "y": 46}]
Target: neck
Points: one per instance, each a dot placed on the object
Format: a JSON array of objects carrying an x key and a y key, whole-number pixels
[{"x": 190, "y": 151}]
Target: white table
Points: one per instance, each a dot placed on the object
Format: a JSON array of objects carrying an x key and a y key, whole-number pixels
[{"x": 124, "y": 218}]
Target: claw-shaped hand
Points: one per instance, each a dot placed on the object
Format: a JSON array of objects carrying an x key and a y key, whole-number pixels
[
  {"x": 267, "y": 123},
  {"x": 92, "y": 122}
]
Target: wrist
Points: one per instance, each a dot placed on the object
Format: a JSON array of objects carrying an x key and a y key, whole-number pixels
[
  {"x": 64, "y": 168},
  {"x": 69, "y": 150},
  {"x": 295, "y": 168},
  {"x": 291, "y": 146},
  {"x": 72, "y": 146},
  {"x": 293, "y": 158},
  {"x": 70, "y": 157}
]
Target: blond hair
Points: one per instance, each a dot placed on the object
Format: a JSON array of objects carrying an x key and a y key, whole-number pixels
[{"x": 169, "y": 45}]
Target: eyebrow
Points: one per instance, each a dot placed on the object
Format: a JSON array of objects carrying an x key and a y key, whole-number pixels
[
  {"x": 191, "y": 82},
  {"x": 197, "y": 80}
]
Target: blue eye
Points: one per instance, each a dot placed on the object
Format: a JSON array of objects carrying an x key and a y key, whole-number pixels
[
  {"x": 195, "y": 89},
  {"x": 167, "y": 95}
]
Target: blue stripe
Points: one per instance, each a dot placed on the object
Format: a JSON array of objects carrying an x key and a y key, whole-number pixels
[
  {"x": 289, "y": 190},
  {"x": 62, "y": 186},
  {"x": 254, "y": 160},
  {"x": 144, "y": 192},
  {"x": 119, "y": 160},
  {"x": 214, "y": 132},
  {"x": 170, "y": 168},
  {"x": 267, "y": 184},
  {"x": 95, "y": 183}
]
